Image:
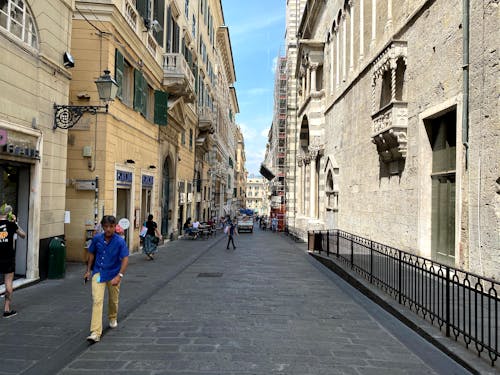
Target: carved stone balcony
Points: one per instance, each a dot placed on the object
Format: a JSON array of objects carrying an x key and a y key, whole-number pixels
[
  {"x": 206, "y": 120},
  {"x": 390, "y": 124},
  {"x": 178, "y": 78}
]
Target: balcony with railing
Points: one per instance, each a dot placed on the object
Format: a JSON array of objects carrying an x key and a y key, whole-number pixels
[
  {"x": 178, "y": 78},
  {"x": 206, "y": 119}
]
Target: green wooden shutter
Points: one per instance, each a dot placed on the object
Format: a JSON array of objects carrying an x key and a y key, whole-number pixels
[
  {"x": 137, "y": 90},
  {"x": 159, "y": 15},
  {"x": 119, "y": 67},
  {"x": 144, "y": 101},
  {"x": 161, "y": 108},
  {"x": 142, "y": 7},
  {"x": 169, "y": 30}
]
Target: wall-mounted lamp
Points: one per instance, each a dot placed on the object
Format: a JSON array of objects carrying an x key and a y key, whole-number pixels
[
  {"x": 66, "y": 116},
  {"x": 152, "y": 166},
  {"x": 129, "y": 161}
]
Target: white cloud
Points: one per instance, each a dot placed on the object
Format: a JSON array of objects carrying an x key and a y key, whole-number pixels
[
  {"x": 275, "y": 64},
  {"x": 249, "y": 133},
  {"x": 264, "y": 132}
]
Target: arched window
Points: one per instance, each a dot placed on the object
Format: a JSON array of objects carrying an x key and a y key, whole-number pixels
[{"x": 16, "y": 19}]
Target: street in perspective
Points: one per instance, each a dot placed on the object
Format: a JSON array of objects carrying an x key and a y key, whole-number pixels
[
  {"x": 199, "y": 308},
  {"x": 260, "y": 187}
]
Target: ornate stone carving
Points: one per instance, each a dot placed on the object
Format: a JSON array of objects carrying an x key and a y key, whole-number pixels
[
  {"x": 389, "y": 131},
  {"x": 390, "y": 123},
  {"x": 316, "y": 147},
  {"x": 300, "y": 160}
]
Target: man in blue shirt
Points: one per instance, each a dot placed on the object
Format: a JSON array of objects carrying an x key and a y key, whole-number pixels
[{"x": 107, "y": 262}]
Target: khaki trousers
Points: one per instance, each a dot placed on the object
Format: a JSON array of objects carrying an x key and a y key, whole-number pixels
[{"x": 98, "y": 290}]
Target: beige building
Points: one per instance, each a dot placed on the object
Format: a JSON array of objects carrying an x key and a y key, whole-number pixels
[
  {"x": 166, "y": 144},
  {"x": 241, "y": 173},
  {"x": 257, "y": 195},
  {"x": 33, "y": 77},
  {"x": 398, "y": 136},
  {"x": 117, "y": 159}
]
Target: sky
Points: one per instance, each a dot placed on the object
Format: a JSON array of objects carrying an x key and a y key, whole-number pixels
[{"x": 257, "y": 30}]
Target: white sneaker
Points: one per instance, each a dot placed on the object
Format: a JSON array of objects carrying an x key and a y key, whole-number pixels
[
  {"x": 113, "y": 323},
  {"x": 93, "y": 338}
]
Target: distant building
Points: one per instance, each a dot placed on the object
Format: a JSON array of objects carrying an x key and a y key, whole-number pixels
[{"x": 257, "y": 195}]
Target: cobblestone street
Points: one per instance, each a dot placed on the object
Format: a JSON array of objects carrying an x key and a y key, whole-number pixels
[{"x": 265, "y": 308}]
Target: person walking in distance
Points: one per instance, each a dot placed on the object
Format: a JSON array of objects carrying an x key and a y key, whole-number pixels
[
  {"x": 107, "y": 262},
  {"x": 8, "y": 227},
  {"x": 152, "y": 238},
  {"x": 231, "y": 231}
]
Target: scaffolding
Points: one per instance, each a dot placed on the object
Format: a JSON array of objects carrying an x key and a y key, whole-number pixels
[{"x": 278, "y": 144}]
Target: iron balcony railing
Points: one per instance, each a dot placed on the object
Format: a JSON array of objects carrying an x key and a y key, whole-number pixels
[{"x": 462, "y": 304}]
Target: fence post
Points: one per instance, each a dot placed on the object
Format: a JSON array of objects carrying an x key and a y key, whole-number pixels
[
  {"x": 447, "y": 301},
  {"x": 328, "y": 243},
  {"x": 318, "y": 238},
  {"x": 400, "y": 274},
  {"x": 352, "y": 253},
  {"x": 338, "y": 242},
  {"x": 371, "y": 262}
]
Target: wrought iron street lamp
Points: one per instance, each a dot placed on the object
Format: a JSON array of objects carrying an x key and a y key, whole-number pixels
[{"x": 66, "y": 116}]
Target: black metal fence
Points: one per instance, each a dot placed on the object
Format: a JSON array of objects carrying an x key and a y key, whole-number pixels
[{"x": 463, "y": 305}]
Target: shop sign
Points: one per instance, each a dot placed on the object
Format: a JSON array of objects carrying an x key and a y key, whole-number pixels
[
  {"x": 85, "y": 184},
  {"x": 147, "y": 181},
  {"x": 21, "y": 151},
  {"x": 17, "y": 144},
  {"x": 124, "y": 178}
]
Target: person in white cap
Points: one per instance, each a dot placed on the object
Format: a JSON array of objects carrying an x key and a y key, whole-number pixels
[{"x": 8, "y": 227}]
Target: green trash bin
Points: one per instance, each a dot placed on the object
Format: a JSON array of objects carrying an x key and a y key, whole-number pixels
[{"x": 57, "y": 258}]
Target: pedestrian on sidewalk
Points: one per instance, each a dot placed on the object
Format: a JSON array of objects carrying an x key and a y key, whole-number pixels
[
  {"x": 8, "y": 228},
  {"x": 274, "y": 224},
  {"x": 231, "y": 231},
  {"x": 107, "y": 262},
  {"x": 152, "y": 238}
]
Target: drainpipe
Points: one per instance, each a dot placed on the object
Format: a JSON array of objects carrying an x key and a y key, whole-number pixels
[{"x": 465, "y": 69}]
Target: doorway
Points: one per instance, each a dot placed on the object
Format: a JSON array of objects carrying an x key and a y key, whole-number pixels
[
  {"x": 15, "y": 190},
  {"x": 442, "y": 137},
  {"x": 123, "y": 207}
]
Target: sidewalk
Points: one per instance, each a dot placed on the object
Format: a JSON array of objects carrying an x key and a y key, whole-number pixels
[
  {"x": 266, "y": 308},
  {"x": 54, "y": 315}
]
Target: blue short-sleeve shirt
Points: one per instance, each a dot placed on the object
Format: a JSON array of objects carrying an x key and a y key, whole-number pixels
[{"x": 108, "y": 255}]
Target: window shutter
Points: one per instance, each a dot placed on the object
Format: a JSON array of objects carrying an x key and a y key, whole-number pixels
[
  {"x": 175, "y": 36},
  {"x": 137, "y": 90},
  {"x": 144, "y": 101},
  {"x": 161, "y": 108},
  {"x": 159, "y": 15},
  {"x": 169, "y": 30},
  {"x": 142, "y": 7},
  {"x": 119, "y": 67}
]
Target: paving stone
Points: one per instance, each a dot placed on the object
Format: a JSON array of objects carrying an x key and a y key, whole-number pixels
[{"x": 271, "y": 312}]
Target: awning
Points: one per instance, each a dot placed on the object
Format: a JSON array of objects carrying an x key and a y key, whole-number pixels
[{"x": 264, "y": 171}]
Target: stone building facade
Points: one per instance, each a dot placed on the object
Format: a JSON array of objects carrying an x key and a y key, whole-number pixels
[
  {"x": 257, "y": 195},
  {"x": 393, "y": 145},
  {"x": 32, "y": 155}
]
